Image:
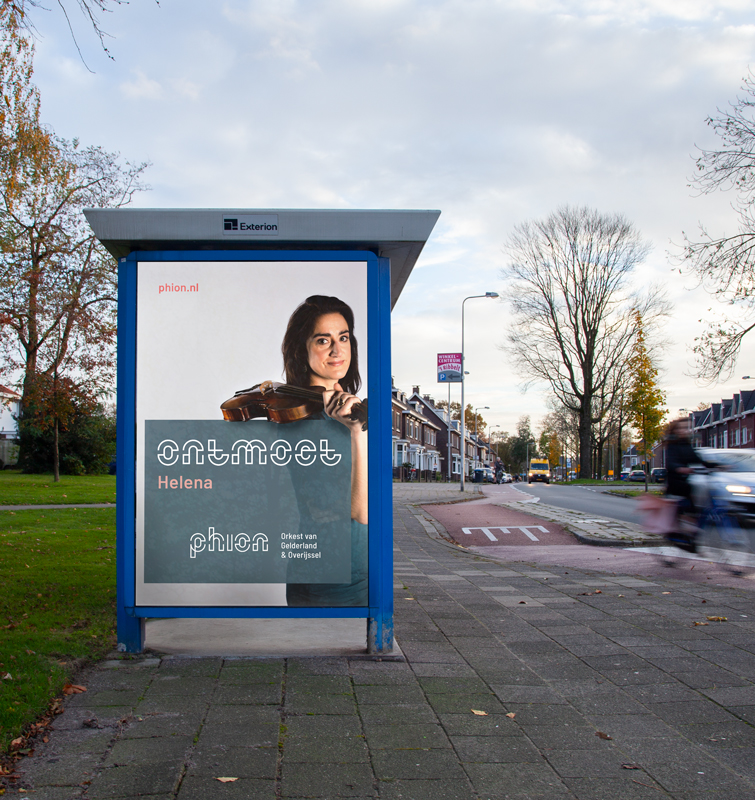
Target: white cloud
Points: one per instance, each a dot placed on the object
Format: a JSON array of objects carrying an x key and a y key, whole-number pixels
[{"x": 142, "y": 88}]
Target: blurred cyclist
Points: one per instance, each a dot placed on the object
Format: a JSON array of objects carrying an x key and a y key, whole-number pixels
[{"x": 680, "y": 458}]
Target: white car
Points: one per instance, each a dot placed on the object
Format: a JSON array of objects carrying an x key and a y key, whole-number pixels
[{"x": 731, "y": 480}]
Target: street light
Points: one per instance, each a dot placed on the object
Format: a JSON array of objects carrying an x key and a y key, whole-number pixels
[
  {"x": 463, "y": 442},
  {"x": 475, "y": 426},
  {"x": 490, "y": 441}
]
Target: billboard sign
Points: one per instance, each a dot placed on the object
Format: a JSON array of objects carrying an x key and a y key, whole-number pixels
[
  {"x": 262, "y": 502},
  {"x": 449, "y": 367}
]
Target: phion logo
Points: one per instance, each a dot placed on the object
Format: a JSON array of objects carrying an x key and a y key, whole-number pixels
[{"x": 250, "y": 225}]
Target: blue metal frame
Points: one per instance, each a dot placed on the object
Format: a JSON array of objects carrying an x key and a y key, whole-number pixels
[{"x": 379, "y": 613}]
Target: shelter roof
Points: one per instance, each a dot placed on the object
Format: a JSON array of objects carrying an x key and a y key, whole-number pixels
[{"x": 396, "y": 234}]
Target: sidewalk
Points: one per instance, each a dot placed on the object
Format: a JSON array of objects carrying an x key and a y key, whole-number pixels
[{"x": 518, "y": 682}]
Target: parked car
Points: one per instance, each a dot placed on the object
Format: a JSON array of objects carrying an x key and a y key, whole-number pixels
[
  {"x": 658, "y": 475},
  {"x": 489, "y": 475},
  {"x": 637, "y": 476}
]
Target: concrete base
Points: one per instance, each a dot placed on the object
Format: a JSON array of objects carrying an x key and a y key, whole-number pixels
[{"x": 260, "y": 637}]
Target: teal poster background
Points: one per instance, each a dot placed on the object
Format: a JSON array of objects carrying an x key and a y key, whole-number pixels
[{"x": 247, "y": 502}]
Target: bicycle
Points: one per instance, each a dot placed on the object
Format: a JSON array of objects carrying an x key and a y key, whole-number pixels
[{"x": 721, "y": 538}]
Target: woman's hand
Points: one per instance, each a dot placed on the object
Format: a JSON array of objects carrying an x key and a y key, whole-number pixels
[{"x": 340, "y": 406}]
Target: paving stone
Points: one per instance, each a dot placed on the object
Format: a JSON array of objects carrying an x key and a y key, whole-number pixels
[
  {"x": 321, "y": 750},
  {"x": 425, "y": 790},
  {"x": 143, "y": 726},
  {"x": 416, "y": 764},
  {"x": 202, "y": 788},
  {"x": 689, "y": 713},
  {"x": 586, "y": 763},
  {"x": 326, "y": 780},
  {"x": 209, "y": 759},
  {"x": 498, "y": 780},
  {"x": 197, "y": 687},
  {"x": 318, "y": 684},
  {"x": 634, "y": 788},
  {"x": 371, "y": 695},
  {"x": 398, "y": 713},
  {"x": 489, "y": 749},
  {"x": 321, "y": 725},
  {"x": 132, "y": 780},
  {"x": 406, "y": 735},
  {"x": 252, "y": 694},
  {"x": 149, "y": 751}
]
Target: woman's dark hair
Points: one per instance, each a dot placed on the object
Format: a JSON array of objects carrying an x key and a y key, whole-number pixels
[{"x": 301, "y": 326}]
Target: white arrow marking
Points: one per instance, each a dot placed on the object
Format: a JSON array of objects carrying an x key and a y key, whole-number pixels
[{"x": 525, "y": 529}]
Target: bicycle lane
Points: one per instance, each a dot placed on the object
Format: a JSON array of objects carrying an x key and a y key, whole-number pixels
[
  {"x": 511, "y": 535},
  {"x": 483, "y": 524}
]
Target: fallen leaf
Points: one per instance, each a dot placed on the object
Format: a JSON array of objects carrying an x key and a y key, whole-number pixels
[
  {"x": 479, "y": 713},
  {"x": 661, "y": 593},
  {"x": 717, "y": 619},
  {"x": 602, "y": 735},
  {"x": 633, "y": 766},
  {"x": 522, "y": 602},
  {"x": 701, "y": 623},
  {"x": 598, "y": 591},
  {"x": 7, "y": 677},
  {"x": 511, "y": 715},
  {"x": 621, "y": 595},
  {"x": 17, "y": 742},
  {"x": 72, "y": 688},
  {"x": 226, "y": 780}
]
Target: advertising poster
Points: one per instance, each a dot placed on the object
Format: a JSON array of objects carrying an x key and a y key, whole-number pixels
[
  {"x": 251, "y": 434},
  {"x": 449, "y": 367}
]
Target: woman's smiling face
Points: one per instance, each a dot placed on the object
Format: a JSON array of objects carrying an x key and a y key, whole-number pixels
[{"x": 329, "y": 350}]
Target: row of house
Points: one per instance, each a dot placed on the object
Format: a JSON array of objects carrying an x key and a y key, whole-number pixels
[
  {"x": 425, "y": 445},
  {"x": 728, "y": 424}
]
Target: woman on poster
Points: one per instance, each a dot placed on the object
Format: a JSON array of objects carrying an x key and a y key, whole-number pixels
[{"x": 320, "y": 349}]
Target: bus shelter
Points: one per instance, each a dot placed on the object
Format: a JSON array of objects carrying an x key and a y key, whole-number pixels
[{"x": 254, "y": 412}]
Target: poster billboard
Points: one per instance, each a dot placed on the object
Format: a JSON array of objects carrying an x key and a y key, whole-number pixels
[
  {"x": 449, "y": 367},
  {"x": 263, "y": 503}
]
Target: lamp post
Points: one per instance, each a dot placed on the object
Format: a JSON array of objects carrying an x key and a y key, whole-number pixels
[
  {"x": 475, "y": 427},
  {"x": 463, "y": 442},
  {"x": 490, "y": 441}
]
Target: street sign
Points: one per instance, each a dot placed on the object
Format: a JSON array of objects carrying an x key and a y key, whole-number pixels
[{"x": 449, "y": 367}]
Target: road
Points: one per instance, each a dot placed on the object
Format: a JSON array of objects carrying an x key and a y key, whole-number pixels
[{"x": 588, "y": 499}]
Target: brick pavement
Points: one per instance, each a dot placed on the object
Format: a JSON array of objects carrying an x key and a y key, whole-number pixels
[{"x": 591, "y": 685}]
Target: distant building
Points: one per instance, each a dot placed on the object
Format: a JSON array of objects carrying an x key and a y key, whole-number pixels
[
  {"x": 10, "y": 406},
  {"x": 728, "y": 424},
  {"x": 414, "y": 439}
]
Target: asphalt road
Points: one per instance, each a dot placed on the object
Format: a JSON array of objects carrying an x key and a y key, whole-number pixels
[{"x": 588, "y": 499}]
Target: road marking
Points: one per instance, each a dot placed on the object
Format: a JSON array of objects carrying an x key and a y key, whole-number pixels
[{"x": 525, "y": 529}]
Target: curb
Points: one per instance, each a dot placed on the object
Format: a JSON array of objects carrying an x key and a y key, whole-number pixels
[{"x": 640, "y": 539}]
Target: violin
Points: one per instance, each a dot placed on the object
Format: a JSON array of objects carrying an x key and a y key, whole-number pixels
[{"x": 282, "y": 403}]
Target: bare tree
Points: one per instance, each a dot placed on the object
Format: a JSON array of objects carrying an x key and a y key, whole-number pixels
[
  {"x": 21, "y": 13},
  {"x": 725, "y": 265},
  {"x": 572, "y": 324}
]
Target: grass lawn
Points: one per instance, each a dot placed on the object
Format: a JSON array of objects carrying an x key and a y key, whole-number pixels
[
  {"x": 57, "y": 599},
  {"x": 18, "y": 489}
]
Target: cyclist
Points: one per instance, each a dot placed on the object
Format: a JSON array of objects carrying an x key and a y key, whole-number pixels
[{"x": 680, "y": 459}]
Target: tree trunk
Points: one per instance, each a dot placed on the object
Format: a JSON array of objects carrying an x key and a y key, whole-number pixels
[
  {"x": 56, "y": 456},
  {"x": 585, "y": 439}
]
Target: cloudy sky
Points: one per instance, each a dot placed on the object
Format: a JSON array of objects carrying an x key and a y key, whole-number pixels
[{"x": 492, "y": 111}]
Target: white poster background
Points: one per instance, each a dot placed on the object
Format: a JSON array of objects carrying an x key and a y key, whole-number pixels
[{"x": 194, "y": 349}]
